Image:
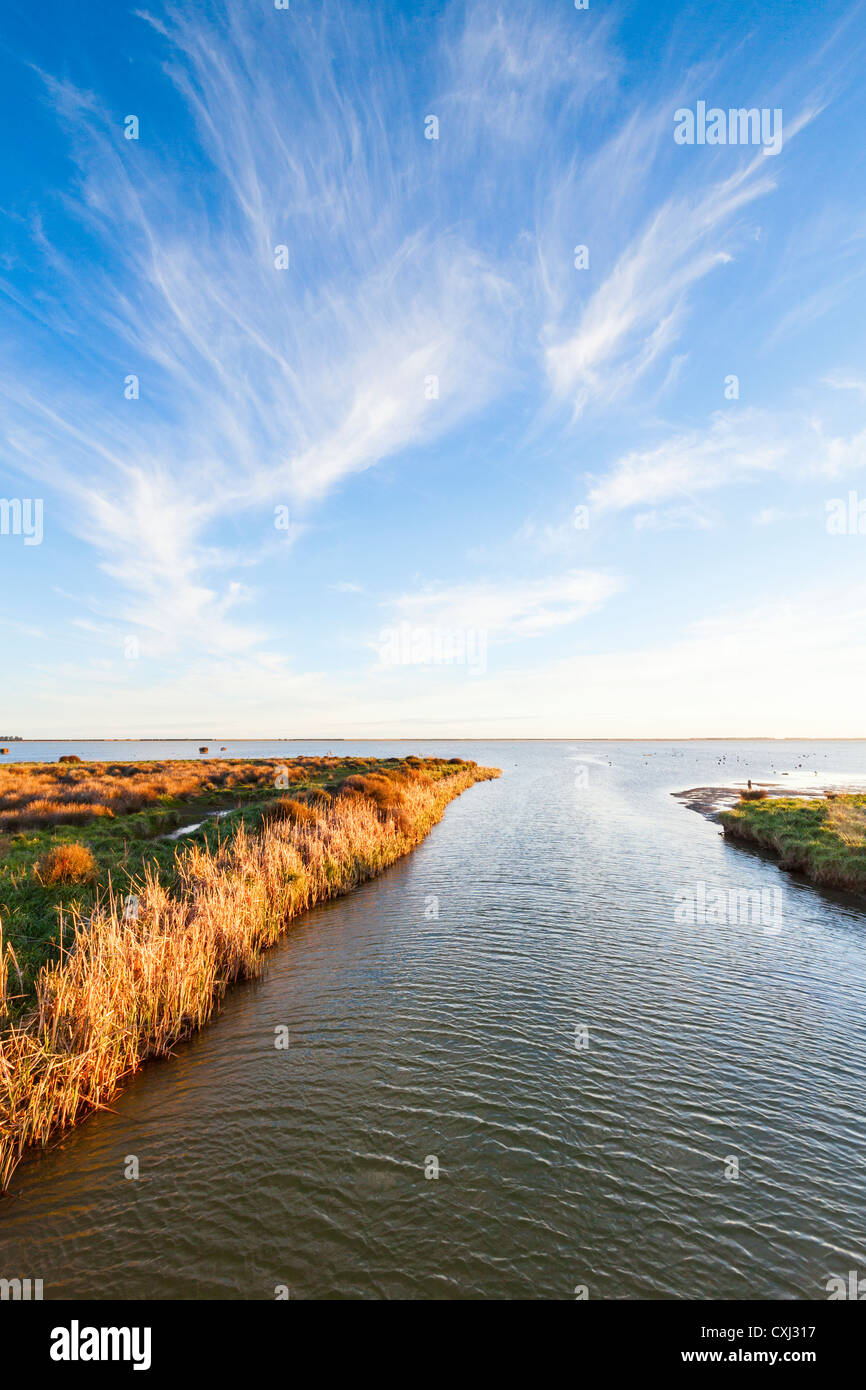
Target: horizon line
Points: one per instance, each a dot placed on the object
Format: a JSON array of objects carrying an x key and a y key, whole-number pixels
[{"x": 457, "y": 738}]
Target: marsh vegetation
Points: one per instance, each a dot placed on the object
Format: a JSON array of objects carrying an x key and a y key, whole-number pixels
[{"x": 116, "y": 942}]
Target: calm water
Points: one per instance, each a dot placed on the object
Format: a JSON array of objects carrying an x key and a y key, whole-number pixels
[{"x": 413, "y": 1035}]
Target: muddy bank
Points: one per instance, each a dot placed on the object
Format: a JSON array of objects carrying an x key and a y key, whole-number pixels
[{"x": 711, "y": 801}]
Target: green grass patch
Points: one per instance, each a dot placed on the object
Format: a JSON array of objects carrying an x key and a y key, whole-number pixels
[{"x": 823, "y": 839}]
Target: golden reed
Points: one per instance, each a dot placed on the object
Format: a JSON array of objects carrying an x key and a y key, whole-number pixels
[{"x": 129, "y": 985}]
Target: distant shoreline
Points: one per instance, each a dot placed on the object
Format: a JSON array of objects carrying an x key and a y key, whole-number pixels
[{"x": 437, "y": 738}]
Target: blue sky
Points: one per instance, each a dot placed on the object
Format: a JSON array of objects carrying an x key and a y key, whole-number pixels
[{"x": 426, "y": 392}]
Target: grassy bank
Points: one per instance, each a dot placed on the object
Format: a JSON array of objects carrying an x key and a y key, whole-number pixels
[
  {"x": 121, "y": 814},
  {"x": 117, "y": 942},
  {"x": 823, "y": 839}
]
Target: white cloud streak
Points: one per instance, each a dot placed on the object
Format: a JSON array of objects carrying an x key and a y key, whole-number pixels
[
  {"x": 511, "y": 610},
  {"x": 735, "y": 447}
]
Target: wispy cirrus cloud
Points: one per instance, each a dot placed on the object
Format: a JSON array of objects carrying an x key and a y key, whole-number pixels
[
  {"x": 599, "y": 345},
  {"x": 733, "y": 449},
  {"x": 258, "y": 385},
  {"x": 510, "y": 610},
  {"x": 429, "y": 284},
  {"x": 846, "y": 381},
  {"x": 638, "y": 311}
]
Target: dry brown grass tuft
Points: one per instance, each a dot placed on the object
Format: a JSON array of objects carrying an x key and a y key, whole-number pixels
[
  {"x": 43, "y": 811},
  {"x": 38, "y": 794},
  {"x": 68, "y": 864},
  {"x": 387, "y": 790},
  {"x": 8, "y": 963},
  {"x": 285, "y": 808}
]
